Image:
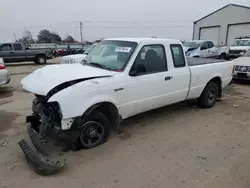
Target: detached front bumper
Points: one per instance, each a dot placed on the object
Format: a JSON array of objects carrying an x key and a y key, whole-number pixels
[{"x": 35, "y": 151}]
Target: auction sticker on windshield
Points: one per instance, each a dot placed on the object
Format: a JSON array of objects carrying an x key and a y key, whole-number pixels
[{"x": 123, "y": 49}]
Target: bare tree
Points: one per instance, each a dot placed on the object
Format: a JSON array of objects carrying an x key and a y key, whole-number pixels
[{"x": 27, "y": 37}]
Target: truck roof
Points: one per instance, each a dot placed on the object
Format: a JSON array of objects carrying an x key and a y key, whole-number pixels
[
  {"x": 138, "y": 40},
  {"x": 197, "y": 40}
]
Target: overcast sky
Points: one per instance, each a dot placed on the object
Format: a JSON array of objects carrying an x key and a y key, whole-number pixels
[{"x": 105, "y": 18}]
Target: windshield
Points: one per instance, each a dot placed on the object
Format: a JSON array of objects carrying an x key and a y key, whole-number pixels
[
  {"x": 192, "y": 44},
  {"x": 112, "y": 55},
  {"x": 241, "y": 43},
  {"x": 247, "y": 54},
  {"x": 89, "y": 48}
]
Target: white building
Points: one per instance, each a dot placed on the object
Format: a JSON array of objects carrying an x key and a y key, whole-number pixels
[{"x": 223, "y": 25}]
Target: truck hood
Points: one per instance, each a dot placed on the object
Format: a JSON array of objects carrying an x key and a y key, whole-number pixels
[
  {"x": 239, "y": 47},
  {"x": 242, "y": 61},
  {"x": 43, "y": 80},
  {"x": 185, "y": 48}
]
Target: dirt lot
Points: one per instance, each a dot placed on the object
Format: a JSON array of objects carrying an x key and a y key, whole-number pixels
[{"x": 177, "y": 146}]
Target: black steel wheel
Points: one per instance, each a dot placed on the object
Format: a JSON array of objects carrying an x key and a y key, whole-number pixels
[
  {"x": 92, "y": 134},
  {"x": 94, "y": 130},
  {"x": 209, "y": 95}
]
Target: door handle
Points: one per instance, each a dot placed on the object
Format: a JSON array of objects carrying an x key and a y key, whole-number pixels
[
  {"x": 168, "y": 78},
  {"x": 11, "y": 52}
]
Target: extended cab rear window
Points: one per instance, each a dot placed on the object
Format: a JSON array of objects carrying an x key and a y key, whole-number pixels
[
  {"x": 17, "y": 46},
  {"x": 177, "y": 55}
]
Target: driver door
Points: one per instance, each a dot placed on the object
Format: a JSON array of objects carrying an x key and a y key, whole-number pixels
[
  {"x": 204, "y": 50},
  {"x": 145, "y": 90}
]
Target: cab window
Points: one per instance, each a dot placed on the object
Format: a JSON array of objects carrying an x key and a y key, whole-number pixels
[
  {"x": 151, "y": 59},
  {"x": 6, "y": 47},
  {"x": 204, "y": 46}
]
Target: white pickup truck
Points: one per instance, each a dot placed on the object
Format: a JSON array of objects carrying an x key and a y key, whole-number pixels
[
  {"x": 206, "y": 49},
  {"x": 239, "y": 47},
  {"x": 80, "y": 103}
]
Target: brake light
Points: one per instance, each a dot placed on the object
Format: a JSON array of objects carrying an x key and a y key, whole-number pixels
[
  {"x": 2, "y": 66},
  {"x": 233, "y": 69}
]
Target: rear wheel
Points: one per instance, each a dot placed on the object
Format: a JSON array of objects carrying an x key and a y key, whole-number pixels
[
  {"x": 40, "y": 59},
  {"x": 209, "y": 95},
  {"x": 94, "y": 130}
]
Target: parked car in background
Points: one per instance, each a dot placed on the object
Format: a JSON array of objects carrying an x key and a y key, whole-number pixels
[
  {"x": 4, "y": 73},
  {"x": 241, "y": 69},
  {"x": 82, "y": 102},
  {"x": 17, "y": 52},
  {"x": 240, "y": 46},
  {"x": 206, "y": 49},
  {"x": 76, "y": 58}
]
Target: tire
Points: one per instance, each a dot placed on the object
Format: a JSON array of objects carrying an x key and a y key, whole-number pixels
[
  {"x": 223, "y": 56},
  {"x": 209, "y": 95},
  {"x": 41, "y": 60},
  {"x": 95, "y": 127}
]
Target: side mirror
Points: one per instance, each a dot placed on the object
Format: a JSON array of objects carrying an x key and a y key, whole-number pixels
[{"x": 133, "y": 73}]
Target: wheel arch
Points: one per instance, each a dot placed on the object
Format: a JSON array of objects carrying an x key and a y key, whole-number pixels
[
  {"x": 40, "y": 54},
  {"x": 217, "y": 80},
  {"x": 109, "y": 109}
]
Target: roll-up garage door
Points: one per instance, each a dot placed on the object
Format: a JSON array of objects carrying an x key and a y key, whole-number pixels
[
  {"x": 237, "y": 30},
  {"x": 210, "y": 33}
]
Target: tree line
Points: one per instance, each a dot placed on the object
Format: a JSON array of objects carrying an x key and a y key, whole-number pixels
[{"x": 45, "y": 36}]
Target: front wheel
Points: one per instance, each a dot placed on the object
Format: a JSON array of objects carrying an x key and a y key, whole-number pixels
[
  {"x": 209, "y": 95},
  {"x": 94, "y": 130},
  {"x": 223, "y": 56}
]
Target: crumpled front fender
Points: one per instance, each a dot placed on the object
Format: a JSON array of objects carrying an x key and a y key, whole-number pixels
[{"x": 74, "y": 101}]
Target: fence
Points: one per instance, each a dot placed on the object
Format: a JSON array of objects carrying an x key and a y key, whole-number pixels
[{"x": 59, "y": 46}]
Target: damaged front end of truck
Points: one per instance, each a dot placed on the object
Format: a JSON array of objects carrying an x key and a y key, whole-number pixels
[
  {"x": 45, "y": 120},
  {"x": 47, "y": 124}
]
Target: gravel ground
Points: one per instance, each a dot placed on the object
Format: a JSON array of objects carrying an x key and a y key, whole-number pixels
[{"x": 176, "y": 146}]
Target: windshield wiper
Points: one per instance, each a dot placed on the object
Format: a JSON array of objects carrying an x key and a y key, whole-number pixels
[{"x": 98, "y": 65}]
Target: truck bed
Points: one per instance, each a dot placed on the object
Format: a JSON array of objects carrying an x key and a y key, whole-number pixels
[{"x": 192, "y": 61}]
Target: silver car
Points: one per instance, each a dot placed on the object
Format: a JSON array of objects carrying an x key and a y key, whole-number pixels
[{"x": 4, "y": 73}]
